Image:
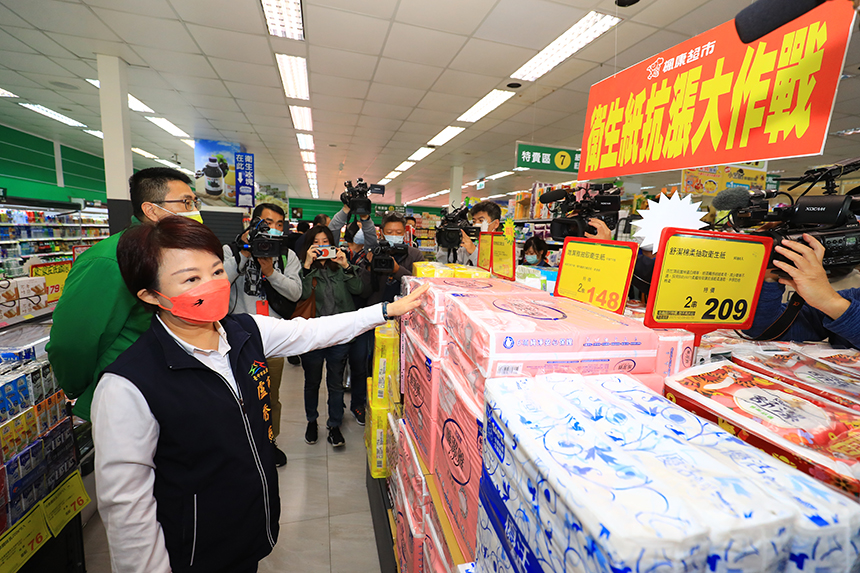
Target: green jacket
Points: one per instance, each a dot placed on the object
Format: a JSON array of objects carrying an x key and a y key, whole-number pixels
[
  {"x": 95, "y": 321},
  {"x": 334, "y": 288}
]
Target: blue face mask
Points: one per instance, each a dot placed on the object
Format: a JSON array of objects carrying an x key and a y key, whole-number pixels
[
  {"x": 394, "y": 239},
  {"x": 531, "y": 259},
  {"x": 276, "y": 233}
]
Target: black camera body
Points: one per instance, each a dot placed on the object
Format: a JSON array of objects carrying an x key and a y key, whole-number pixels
[
  {"x": 260, "y": 243},
  {"x": 448, "y": 234},
  {"x": 571, "y": 217},
  {"x": 355, "y": 196},
  {"x": 383, "y": 257}
]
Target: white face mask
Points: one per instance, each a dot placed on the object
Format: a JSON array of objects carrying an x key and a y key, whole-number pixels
[{"x": 485, "y": 226}]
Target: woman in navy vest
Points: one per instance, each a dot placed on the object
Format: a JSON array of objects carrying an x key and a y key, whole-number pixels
[{"x": 182, "y": 420}]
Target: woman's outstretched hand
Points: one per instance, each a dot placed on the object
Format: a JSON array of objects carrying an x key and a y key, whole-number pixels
[{"x": 409, "y": 302}]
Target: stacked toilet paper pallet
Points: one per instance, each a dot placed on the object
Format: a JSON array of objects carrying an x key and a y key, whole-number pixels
[{"x": 598, "y": 473}]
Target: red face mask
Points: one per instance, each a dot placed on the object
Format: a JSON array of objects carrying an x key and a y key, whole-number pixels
[{"x": 205, "y": 303}]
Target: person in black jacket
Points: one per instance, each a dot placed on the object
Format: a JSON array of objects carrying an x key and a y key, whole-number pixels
[{"x": 386, "y": 287}]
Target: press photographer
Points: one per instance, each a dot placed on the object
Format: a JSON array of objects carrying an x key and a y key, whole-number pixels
[
  {"x": 455, "y": 237},
  {"x": 391, "y": 260}
]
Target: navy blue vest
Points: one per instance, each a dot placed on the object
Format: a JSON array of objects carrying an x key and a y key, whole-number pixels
[{"x": 216, "y": 485}]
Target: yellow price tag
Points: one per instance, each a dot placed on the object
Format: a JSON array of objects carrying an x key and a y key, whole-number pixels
[
  {"x": 596, "y": 272},
  {"x": 20, "y": 543},
  {"x": 708, "y": 280},
  {"x": 504, "y": 254},
  {"x": 55, "y": 277},
  {"x": 66, "y": 501},
  {"x": 485, "y": 251}
]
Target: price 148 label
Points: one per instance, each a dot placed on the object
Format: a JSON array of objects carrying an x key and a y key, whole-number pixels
[{"x": 596, "y": 272}]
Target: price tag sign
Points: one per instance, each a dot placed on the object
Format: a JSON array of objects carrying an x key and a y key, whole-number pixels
[
  {"x": 20, "y": 543},
  {"x": 485, "y": 251},
  {"x": 66, "y": 501},
  {"x": 706, "y": 280},
  {"x": 596, "y": 272},
  {"x": 55, "y": 277},
  {"x": 504, "y": 257}
]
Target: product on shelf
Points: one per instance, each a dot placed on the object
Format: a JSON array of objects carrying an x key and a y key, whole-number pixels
[
  {"x": 507, "y": 334},
  {"x": 814, "y": 435},
  {"x": 847, "y": 360},
  {"x": 436, "y": 557},
  {"x": 433, "y": 301},
  {"x": 434, "y": 336},
  {"x": 376, "y": 440},
  {"x": 409, "y": 469},
  {"x": 384, "y": 385},
  {"x": 392, "y": 442},
  {"x": 409, "y": 536},
  {"x": 464, "y": 370},
  {"x": 675, "y": 351},
  {"x": 429, "y": 269},
  {"x": 421, "y": 373}
]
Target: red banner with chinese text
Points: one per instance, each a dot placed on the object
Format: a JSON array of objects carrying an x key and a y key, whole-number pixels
[{"x": 714, "y": 100}]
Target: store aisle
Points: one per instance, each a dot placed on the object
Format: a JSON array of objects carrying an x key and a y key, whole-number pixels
[{"x": 325, "y": 515}]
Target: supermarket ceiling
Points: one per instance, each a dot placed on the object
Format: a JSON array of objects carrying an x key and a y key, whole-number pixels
[{"x": 385, "y": 77}]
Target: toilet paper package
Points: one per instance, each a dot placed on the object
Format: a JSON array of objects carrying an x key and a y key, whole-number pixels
[
  {"x": 421, "y": 393},
  {"x": 585, "y": 495},
  {"x": 434, "y": 336},
  {"x": 463, "y": 369},
  {"x": 385, "y": 377},
  {"x": 827, "y": 528},
  {"x": 413, "y": 479},
  {"x": 433, "y": 301},
  {"x": 847, "y": 360},
  {"x": 409, "y": 537},
  {"x": 804, "y": 372},
  {"x": 804, "y": 430},
  {"x": 439, "y": 559},
  {"x": 376, "y": 441},
  {"x": 429, "y": 269},
  {"x": 458, "y": 460},
  {"x": 675, "y": 351},
  {"x": 507, "y": 335},
  {"x": 392, "y": 442}
]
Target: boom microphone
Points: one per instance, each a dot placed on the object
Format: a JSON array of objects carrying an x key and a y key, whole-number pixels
[
  {"x": 553, "y": 196},
  {"x": 738, "y": 198},
  {"x": 764, "y": 16}
]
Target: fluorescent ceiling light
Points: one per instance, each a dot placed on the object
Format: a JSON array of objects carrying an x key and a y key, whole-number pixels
[
  {"x": 648, "y": 187},
  {"x": 167, "y": 126},
  {"x": 852, "y": 131},
  {"x": 496, "y": 196},
  {"x": 499, "y": 175},
  {"x": 167, "y": 163},
  {"x": 446, "y": 135},
  {"x": 588, "y": 29},
  {"x": 309, "y": 156},
  {"x": 404, "y": 166},
  {"x": 5, "y": 93},
  {"x": 189, "y": 173},
  {"x": 301, "y": 118},
  {"x": 384, "y": 182},
  {"x": 487, "y": 104},
  {"x": 95, "y": 83},
  {"x": 189, "y": 142},
  {"x": 294, "y": 76},
  {"x": 392, "y": 175},
  {"x": 421, "y": 154},
  {"x": 470, "y": 184},
  {"x": 306, "y": 141},
  {"x": 521, "y": 168},
  {"x": 95, "y": 132},
  {"x": 284, "y": 18},
  {"x": 146, "y": 154},
  {"x": 310, "y": 167},
  {"x": 134, "y": 104},
  {"x": 52, "y": 114}
]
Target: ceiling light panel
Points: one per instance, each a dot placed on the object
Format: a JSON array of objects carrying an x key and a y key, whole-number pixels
[
  {"x": 301, "y": 116},
  {"x": 294, "y": 76},
  {"x": 167, "y": 126},
  {"x": 421, "y": 154},
  {"x": 392, "y": 175},
  {"x": 306, "y": 141},
  {"x": 404, "y": 166},
  {"x": 52, "y": 114},
  {"x": 499, "y": 175},
  {"x": 146, "y": 154},
  {"x": 284, "y": 18},
  {"x": 167, "y": 163},
  {"x": 588, "y": 29},
  {"x": 135, "y": 104},
  {"x": 310, "y": 167},
  {"x": 852, "y": 131},
  {"x": 96, "y": 133},
  {"x": 309, "y": 157},
  {"x": 384, "y": 181},
  {"x": 446, "y": 135},
  {"x": 487, "y": 104},
  {"x": 189, "y": 142},
  {"x": 5, "y": 93}
]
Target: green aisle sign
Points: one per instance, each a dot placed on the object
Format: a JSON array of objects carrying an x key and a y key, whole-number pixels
[{"x": 547, "y": 158}]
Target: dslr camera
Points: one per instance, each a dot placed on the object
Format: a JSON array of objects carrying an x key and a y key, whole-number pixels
[
  {"x": 260, "y": 242},
  {"x": 355, "y": 196},
  {"x": 571, "y": 216},
  {"x": 448, "y": 233},
  {"x": 383, "y": 257}
]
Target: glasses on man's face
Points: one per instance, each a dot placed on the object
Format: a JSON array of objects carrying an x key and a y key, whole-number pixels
[{"x": 190, "y": 204}]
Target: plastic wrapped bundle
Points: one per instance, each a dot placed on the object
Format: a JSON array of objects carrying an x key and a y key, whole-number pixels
[
  {"x": 434, "y": 336},
  {"x": 827, "y": 529},
  {"x": 385, "y": 378},
  {"x": 409, "y": 538},
  {"x": 847, "y": 360},
  {"x": 433, "y": 301},
  {"x": 582, "y": 502},
  {"x": 421, "y": 390}
]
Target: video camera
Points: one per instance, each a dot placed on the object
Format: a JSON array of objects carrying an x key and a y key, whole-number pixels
[
  {"x": 383, "y": 257},
  {"x": 571, "y": 216},
  {"x": 260, "y": 242},
  {"x": 355, "y": 197},
  {"x": 448, "y": 234}
]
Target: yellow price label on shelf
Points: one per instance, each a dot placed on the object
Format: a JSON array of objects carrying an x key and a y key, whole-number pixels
[
  {"x": 596, "y": 272},
  {"x": 708, "y": 279},
  {"x": 65, "y": 502},
  {"x": 485, "y": 251},
  {"x": 55, "y": 277},
  {"x": 24, "y": 539},
  {"x": 504, "y": 255}
]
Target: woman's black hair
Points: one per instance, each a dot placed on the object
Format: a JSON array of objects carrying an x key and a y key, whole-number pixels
[
  {"x": 538, "y": 245},
  {"x": 309, "y": 242}
]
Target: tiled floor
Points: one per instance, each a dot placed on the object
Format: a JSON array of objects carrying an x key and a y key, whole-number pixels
[{"x": 325, "y": 515}]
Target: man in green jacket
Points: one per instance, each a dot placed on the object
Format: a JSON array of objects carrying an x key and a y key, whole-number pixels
[{"x": 96, "y": 318}]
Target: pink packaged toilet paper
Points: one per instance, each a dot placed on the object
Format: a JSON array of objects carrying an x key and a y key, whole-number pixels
[
  {"x": 458, "y": 460},
  {"x": 392, "y": 442},
  {"x": 434, "y": 336},
  {"x": 421, "y": 370},
  {"x": 410, "y": 539},
  {"x": 653, "y": 382},
  {"x": 413, "y": 478},
  {"x": 510, "y": 335},
  {"x": 675, "y": 351},
  {"x": 465, "y": 370},
  {"x": 436, "y": 557},
  {"x": 433, "y": 301}
]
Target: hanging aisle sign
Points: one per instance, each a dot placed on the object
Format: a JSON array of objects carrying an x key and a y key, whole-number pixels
[
  {"x": 245, "y": 193},
  {"x": 596, "y": 272},
  {"x": 713, "y": 100},
  {"x": 547, "y": 158}
]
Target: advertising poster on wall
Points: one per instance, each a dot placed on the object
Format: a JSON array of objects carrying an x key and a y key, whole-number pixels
[
  {"x": 712, "y": 180},
  {"x": 215, "y": 164}
]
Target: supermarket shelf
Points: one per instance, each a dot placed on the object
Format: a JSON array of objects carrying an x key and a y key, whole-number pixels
[
  {"x": 380, "y": 505},
  {"x": 427, "y": 249},
  {"x": 54, "y": 254},
  {"x": 522, "y": 221},
  {"x": 53, "y": 225}
]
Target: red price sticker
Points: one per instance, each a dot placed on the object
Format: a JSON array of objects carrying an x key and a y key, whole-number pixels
[
  {"x": 20, "y": 543},
  {"x": 596, "y": 272},
  {"x": 65, "y": 502}
]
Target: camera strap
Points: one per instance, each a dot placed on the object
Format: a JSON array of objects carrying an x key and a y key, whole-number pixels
[{"x": 781, "y": 325}]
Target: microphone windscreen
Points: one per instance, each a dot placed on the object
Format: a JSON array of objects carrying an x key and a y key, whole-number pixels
[
  {"x": 764, "y": 16},
  {"x": 731, "y": 198},
  {"x": 553, "y": 196}
]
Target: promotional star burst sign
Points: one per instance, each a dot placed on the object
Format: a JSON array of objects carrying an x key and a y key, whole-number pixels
[
  {"x": 508, "y": 230},
  {"x": 672, "y": 211}
]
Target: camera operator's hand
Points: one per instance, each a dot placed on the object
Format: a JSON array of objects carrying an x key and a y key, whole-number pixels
[
  {"x": 311, "y": 257},
  {"x": 467, "y": 242},
  {"x": 409, "y": 302},
  {"x": 267, "y": 266},
  {"x": 808, "y": 276},
  {"x": 341, "y": 259},
  {"x": 603, "y": 231}
]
